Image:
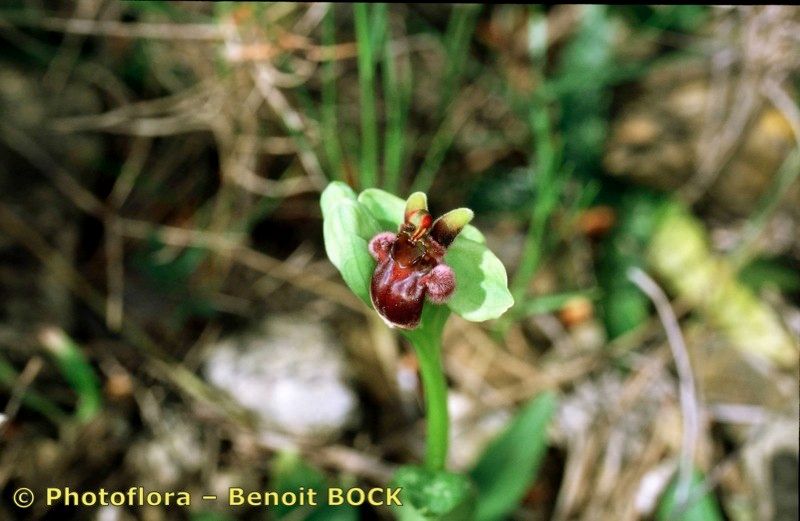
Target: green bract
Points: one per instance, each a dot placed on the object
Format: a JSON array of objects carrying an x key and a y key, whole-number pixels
[{"x": 350, "y": 222}]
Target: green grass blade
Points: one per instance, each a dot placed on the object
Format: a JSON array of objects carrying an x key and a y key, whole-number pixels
[
  {"x": 551, "y": 303},
  {"x": 379, "y": 28},
  {"x": 460, "y": 28},
  {"x": 547, "y": 187},
  {"x": 76, "y": 370},
  {"x": 333, "y": 147},
  {"x": 433, "y": 158},
  {"x": 397, "y": 94},
  {"x": 368, "y": 164}
]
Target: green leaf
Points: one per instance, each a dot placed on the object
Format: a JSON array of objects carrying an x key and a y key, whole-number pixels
[
  {"x": 174, "y": 274},
  {"x": 766, "y": 271},
  {"x": 386, "y": 208},
  {"x": 704, "y": 507},
  {"x": 429, "y": 495},
  {"x": 583, "y": 75},
  {"x": 290, "y": 474},
  {"x": 481, "y": 281},
  {"x": 673, "y": 18},
  {"x": 347, "y": 229},
  {"x": 510, "y": 463},
  {"x": 623, "y": 306}
]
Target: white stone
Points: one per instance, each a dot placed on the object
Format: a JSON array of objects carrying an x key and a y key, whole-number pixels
[{"x": 290, "y": 373}]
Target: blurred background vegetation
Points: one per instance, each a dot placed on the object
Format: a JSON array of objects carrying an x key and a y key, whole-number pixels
[{"x": 168, "y": 317}]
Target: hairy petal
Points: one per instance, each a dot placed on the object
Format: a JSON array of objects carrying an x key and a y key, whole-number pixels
[
  {"x": 381, "y": 245},
  {"x": 440, "y": 283}
]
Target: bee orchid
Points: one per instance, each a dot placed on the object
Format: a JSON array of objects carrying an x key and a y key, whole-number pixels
[{"x": 411, "y": 264}]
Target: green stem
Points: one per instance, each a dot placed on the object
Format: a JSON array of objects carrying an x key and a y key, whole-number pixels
[
  {"x": 427, "y": 341},
  {"x": 435, "y": 386}
]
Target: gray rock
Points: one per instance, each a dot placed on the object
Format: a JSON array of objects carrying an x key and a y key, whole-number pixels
[{"x": 291, "y": 374}]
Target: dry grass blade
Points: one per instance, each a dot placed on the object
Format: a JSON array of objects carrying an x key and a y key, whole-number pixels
[
  {"x": 26, "y": 378},
  {"x": 117, "y": 29},
  {"x": 688, "y": 394}
]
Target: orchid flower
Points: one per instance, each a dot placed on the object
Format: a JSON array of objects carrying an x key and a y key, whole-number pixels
[{"x": 411, "y": 264}]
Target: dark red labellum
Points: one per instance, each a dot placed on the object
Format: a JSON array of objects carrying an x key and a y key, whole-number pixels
[{"x": 411, "y": 264}]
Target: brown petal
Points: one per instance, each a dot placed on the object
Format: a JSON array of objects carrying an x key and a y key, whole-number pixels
[{"x": 448, "y": 226}]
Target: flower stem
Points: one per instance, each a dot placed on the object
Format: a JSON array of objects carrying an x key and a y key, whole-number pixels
[
  {"x": 427, "y": 341},
  {"x": 435, "y": 387}
]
